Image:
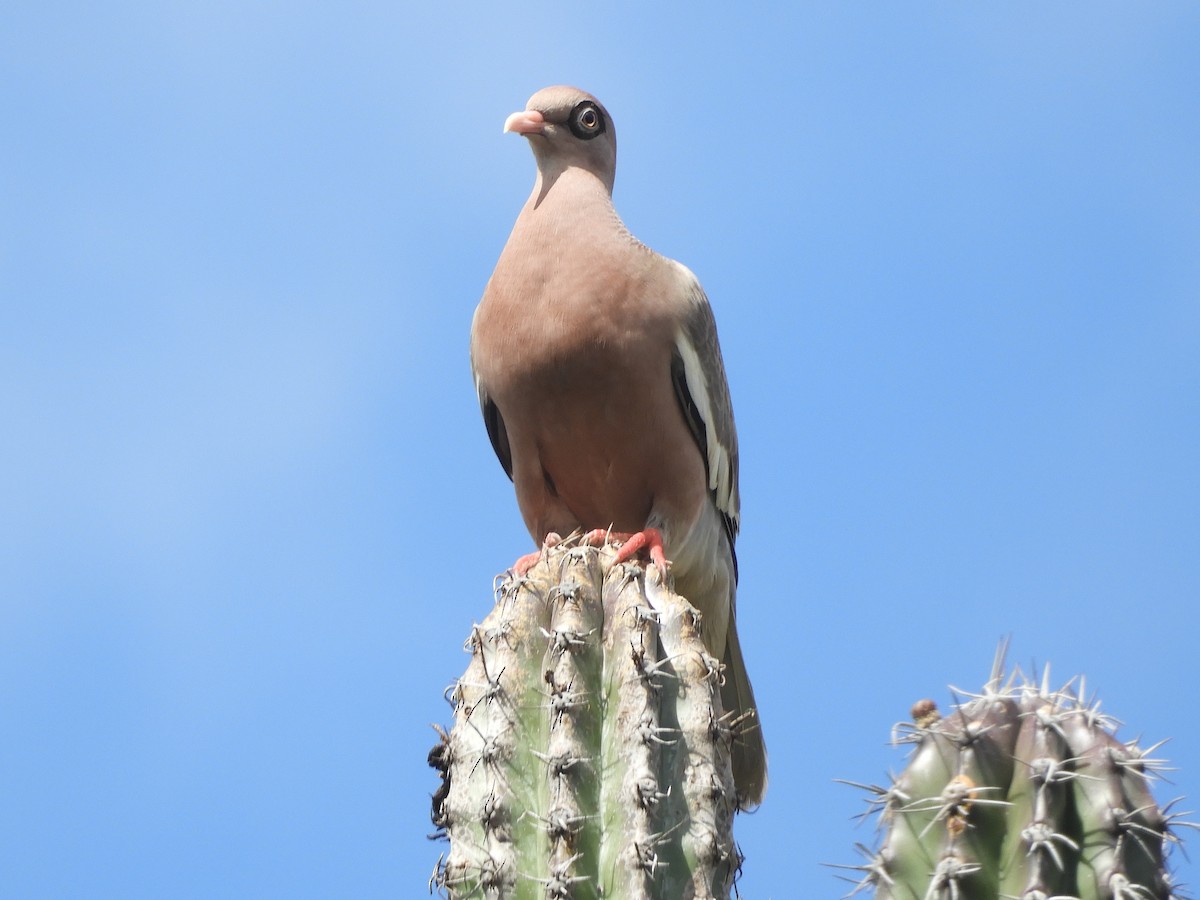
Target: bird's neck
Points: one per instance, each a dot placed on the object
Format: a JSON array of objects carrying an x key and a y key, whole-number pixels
[{"x": 569, "y": 197}]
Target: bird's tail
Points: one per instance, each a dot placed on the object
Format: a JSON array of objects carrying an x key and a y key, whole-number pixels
[{"x": 749, "y": 748}]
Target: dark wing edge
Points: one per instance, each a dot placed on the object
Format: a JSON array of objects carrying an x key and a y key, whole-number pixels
[
  {"x": 698, "y": 376},
  {"x": 497, "y": 433}
]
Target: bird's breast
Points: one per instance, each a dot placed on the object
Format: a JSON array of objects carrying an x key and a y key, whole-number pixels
[
  {"x": 547, "y": 322},
  {"x": 578, "y": 363}
]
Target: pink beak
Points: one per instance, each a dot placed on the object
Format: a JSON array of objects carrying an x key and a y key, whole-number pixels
[{"x": 527, "y": 122}]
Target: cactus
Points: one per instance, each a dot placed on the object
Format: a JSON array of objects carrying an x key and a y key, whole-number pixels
[
  {"x": 1023, "y": 792},
  {"x": 589, "y": 756}
]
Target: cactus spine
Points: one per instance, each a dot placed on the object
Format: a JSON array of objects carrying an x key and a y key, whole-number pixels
[
  {"x": 1023, "y": 792},
  {"x": 589, "y": 756}
]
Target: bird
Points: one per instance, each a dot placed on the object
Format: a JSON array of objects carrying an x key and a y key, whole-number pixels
[{"x": 604, "y": 393}]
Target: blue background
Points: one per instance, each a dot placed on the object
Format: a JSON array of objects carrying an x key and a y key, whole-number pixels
[{"x": 248, "y": 511}]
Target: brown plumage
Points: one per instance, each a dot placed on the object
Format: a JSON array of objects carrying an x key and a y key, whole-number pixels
[{"x": 603, "y": 389}]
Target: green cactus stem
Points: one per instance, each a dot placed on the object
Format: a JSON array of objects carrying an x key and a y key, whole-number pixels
[
  {"x": 1022, "y": 792},
  {"x": 590, "y": 756}
]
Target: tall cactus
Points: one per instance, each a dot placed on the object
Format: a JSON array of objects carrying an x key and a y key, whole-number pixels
[
  {"x": 1023, "y": 792},
  {"x": 590, "y": 757}
]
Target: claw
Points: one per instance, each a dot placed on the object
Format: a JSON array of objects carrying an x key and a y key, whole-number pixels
[
  {"x": 526, "y": 562},
  {"x": 651, "y": 540},
  {"x": 529, "y": 560}
]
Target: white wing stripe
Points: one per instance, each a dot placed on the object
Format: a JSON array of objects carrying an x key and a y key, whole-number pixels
[{"x": 720, "y": 480}]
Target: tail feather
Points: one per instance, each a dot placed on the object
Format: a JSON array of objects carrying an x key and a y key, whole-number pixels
[{"x": 749, "y": 748}]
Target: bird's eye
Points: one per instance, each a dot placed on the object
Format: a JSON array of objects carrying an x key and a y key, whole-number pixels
[{"x": 586, "y": 121}]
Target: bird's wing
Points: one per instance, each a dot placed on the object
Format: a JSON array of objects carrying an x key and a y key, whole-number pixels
[
  {"x": 494, "y": 423},
  {"x": 698, "y": 374}
]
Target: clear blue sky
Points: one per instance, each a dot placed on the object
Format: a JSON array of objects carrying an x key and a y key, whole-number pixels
[{"x": 248, "y": 511}]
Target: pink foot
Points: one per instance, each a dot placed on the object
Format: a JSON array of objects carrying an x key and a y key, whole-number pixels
[
  {"x": 649, "y": 539},
  {"x": 529, "y": 560}
]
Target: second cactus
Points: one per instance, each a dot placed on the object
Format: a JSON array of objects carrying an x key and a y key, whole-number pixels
[{"x": 1023, "y": 792}]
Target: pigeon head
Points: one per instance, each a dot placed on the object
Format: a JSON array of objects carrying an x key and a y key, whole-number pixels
[{"x": 566, "y": 128}]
